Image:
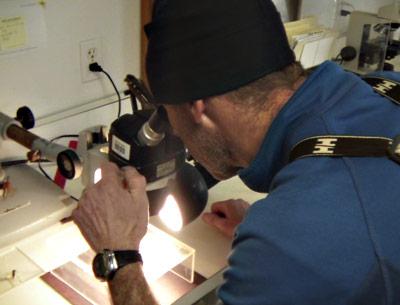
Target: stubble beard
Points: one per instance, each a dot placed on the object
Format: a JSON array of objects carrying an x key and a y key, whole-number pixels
[{"x": 211, "y": 151}]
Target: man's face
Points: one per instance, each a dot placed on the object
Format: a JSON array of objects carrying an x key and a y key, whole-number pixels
[{"x": 206, "y": 145}]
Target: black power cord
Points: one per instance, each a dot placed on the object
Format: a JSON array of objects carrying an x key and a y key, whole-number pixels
[
  {"x": 95, "y": 67},
  {"x": 10, "y": 163}
]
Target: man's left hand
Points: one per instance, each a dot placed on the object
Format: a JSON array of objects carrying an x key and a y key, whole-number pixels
[
  {"x": 226, "y": 215},
  {"x": 113, "y": 214}
]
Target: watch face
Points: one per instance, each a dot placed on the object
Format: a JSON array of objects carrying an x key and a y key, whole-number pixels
[{"x": 99, "y": 269}]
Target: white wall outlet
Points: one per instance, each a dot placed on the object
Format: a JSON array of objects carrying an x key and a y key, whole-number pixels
[{"x": 90, "y": 53}]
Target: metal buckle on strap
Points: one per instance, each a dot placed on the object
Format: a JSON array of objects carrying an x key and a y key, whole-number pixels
[{"x": 394, "y": 149}]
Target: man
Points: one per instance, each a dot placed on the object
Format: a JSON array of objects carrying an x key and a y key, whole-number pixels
[{"x": 329, "y": 231}]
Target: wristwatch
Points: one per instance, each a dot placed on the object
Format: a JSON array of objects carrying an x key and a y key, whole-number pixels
[{"x": 107, "y": 263}]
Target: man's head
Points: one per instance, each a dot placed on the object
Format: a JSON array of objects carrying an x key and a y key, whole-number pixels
[
  {"x": 224, "y": 132},
  {"x": 204, "y": 60}
]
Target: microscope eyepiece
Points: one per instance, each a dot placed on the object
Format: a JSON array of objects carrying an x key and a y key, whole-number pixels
[
  {"x": 153, "y": 131},
  {"x": 159, "y": 120}
]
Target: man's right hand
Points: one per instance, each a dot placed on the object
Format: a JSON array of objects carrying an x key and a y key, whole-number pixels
[
  {"x": 113, "y": 214},
  {"x": 226, "y": 215}
]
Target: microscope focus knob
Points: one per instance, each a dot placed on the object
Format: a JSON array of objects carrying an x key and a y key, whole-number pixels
[{"x": 348, "y": 53}]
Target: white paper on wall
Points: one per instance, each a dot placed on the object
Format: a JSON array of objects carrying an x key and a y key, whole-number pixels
[{"x": 22, "y": 26}]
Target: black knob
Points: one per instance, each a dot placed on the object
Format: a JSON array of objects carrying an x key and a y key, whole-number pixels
[
  {"x": 25, "y": 117},
  {"x": 69, "y": 164},
  {"x": 348, "y": 53}
]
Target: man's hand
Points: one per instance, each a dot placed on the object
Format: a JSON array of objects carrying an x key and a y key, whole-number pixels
[
  {"x": 226, "y": 215},
  {"x": 113, "y": 214}
]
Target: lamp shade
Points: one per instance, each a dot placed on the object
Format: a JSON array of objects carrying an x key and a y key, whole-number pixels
[{"x": 189, "y": 190}]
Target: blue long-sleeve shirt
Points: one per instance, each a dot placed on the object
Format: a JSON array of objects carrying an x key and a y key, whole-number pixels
[{"x": 329, "y": 231}]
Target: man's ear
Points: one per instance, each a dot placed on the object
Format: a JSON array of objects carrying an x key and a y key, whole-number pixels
[{"x": 197, "y": 109}]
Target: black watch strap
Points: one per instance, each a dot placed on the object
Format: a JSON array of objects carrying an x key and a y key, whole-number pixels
[{"x": 125, "y": 257}]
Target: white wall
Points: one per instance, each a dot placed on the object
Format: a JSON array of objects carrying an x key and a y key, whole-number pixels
[{"x": 48, "y": 79}]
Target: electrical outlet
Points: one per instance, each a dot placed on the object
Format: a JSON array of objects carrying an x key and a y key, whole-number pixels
[{"x": 90, "y": 53}]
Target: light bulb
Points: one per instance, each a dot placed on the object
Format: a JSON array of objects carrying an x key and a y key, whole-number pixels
[{"x": 171, "y": 215}]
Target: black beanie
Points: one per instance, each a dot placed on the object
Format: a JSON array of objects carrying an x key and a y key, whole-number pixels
[{"x": 202, "y": 48}]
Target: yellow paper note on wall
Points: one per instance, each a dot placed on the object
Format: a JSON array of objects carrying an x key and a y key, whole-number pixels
[{"x": 12, "y": 33}]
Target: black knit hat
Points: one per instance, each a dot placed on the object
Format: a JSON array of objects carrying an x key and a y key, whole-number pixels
[{"x": 202, "y": 48}]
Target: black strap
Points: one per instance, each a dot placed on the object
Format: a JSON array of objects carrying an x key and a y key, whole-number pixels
[
  {"x": 125, "y": 257},
  {"x": 354, "y": 146},
  {"x": 385, "y": 87},
  {"x": 346, "y": 146}
]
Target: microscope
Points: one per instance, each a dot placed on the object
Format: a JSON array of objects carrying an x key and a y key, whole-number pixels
[
  {"x": 374, "y": 40},
  {"x": 176, "y": 189}
]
